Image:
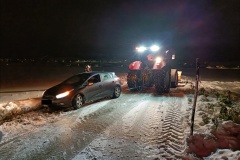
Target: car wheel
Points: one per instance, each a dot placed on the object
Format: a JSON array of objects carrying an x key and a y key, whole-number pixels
[
  {"x": 78, "y": 101},
  {"x": 117, "y": 92}
]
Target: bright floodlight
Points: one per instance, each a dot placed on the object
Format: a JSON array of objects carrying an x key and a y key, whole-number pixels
[
  {"x": 154, "y": 48},
  {"x": 158, "y": 60},
  {"x": 141, "y": 49}
]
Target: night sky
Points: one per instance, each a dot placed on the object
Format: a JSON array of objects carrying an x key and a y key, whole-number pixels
[{"x": 208, "y": 29}]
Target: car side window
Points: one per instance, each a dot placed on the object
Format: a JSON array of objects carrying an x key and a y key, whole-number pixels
[
  {"x": 106, "y": 76},
  {"x": 95, "y": 79}
]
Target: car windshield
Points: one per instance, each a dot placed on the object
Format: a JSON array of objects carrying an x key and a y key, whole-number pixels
[{"x": 77, "y": 79}]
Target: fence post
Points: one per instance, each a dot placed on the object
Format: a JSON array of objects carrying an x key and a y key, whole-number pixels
[{"x": 195, "y": 96}]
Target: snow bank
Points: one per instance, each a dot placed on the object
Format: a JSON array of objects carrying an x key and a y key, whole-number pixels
[
  {"x": 225, "y": 137},
  {"x": 225, "y": 154},
  {"x": 13, "y": 108},
  {"x": 19, "y": 95}
]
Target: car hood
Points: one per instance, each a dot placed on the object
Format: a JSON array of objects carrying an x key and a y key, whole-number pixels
[{"x": 60, "y": 88}]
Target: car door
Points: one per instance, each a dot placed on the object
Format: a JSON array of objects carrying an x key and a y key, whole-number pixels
[
  {"x": 108, "y": 84},
  {"x": 93, "y": 89}
]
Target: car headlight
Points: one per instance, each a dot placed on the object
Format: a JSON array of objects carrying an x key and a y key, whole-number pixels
[
  {"x": 64, "y": 94},
  {"x": 158, "y": 60}
]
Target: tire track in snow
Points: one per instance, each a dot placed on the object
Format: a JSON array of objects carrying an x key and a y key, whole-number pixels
[
  {"x": 172, "y": 140},
  {"x": 161, "y": 130},
  {"x": 151, "y": 126}
]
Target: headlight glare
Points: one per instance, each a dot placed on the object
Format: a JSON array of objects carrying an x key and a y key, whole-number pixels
[
  {"x": 141, "y": 49},
  {"x": 158, "y": 60},
  {"x": 154, "y": 48},
  {"x": 64, "y": 94}
]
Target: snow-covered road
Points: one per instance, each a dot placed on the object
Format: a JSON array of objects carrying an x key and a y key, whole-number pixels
[{"x": 134, "y": 126}]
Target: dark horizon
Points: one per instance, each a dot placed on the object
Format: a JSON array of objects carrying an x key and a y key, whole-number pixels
[{"x": 206, "y": 29}]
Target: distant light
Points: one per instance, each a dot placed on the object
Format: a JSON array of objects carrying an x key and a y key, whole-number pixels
[
  {"x": 141, "y": 49},
  {"x": 154, "y": 48}
]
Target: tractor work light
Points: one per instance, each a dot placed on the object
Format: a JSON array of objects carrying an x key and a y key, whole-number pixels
[
  {"x": 158, "y": 60},
  {"x": 141, "y": 49},
  {"x": 154, "y": 48}
]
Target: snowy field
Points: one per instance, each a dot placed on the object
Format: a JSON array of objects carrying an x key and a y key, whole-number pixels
[{"x": 145, "y": 126}]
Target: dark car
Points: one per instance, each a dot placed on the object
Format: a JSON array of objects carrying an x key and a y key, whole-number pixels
[{"x": 83, "y": 88}]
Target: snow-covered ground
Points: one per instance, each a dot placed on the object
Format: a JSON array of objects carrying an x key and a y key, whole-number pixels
[{"x": 138, "y": 125}]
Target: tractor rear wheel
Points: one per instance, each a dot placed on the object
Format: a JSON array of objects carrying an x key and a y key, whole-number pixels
[
  {"x": 131, "y": 80},
  {"x": 174, "y": 78},
  {"x": 162, "y": 81},
  {"x": 147, "y": 78},
  {"x": 134, "y": 80}
]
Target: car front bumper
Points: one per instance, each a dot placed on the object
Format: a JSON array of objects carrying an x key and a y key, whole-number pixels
[{"x": 62, "y": 102}]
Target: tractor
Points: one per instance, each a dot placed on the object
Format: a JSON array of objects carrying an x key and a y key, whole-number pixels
[{"x": 153, "y": 68}]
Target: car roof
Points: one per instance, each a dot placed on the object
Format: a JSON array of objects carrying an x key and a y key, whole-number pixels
[{"x": 94, "y": 72}]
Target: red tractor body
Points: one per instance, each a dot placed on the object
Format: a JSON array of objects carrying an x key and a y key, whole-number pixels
[{"x": 153, "y": 71}]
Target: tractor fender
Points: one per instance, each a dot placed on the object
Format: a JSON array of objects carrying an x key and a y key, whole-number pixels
[{"x": 136, "y": 65}]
